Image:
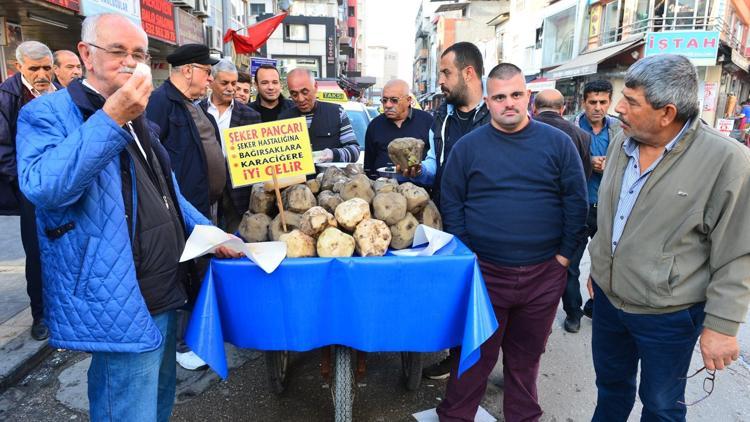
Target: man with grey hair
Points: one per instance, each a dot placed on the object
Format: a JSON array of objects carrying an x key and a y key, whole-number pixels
[
  {"x": 34, "y": 78},
  {"x": 670, "y": 262},
  {"x": 66, "y": 66},
  {"x": 112, "y": 223},
  {"x": 228, "y": 113}
]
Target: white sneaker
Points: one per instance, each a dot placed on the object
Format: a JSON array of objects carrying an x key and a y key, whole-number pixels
[{"x": 190, "y": 361}]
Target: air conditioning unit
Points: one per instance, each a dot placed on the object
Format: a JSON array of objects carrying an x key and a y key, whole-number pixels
[
  {"x": 214, "y": 38},
  {"x": 201, "y": 8},
  {"x": 185, "y": 4}
]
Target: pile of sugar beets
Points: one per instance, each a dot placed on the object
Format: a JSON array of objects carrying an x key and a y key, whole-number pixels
[{"x": 339, "y": 212}]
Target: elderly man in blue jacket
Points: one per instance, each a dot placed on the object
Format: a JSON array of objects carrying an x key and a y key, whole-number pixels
[{"x": 111, "y": 224}]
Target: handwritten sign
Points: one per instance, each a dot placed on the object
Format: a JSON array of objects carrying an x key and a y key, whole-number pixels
[{"x": 256, "y": 152}]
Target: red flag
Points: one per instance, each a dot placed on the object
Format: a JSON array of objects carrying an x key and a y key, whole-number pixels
[{"x": 258, "y": 34}]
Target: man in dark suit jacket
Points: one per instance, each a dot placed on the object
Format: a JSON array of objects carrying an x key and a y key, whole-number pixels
[
  {"x": 549, "y": 105},
  {"x": 228, "y": 113}
]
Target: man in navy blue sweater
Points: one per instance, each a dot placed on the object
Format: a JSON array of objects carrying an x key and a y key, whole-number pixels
[{"x": 514, "y": 191}]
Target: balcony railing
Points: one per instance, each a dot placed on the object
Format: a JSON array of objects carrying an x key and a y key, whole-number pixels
[{"x": 688, "y": 23}]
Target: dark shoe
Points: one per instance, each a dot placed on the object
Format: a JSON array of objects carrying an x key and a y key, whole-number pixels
[
  {"x": 572, "y": 324},
  {"x": 39, "y": 331},
  {"x": 440, "y": 370},
  {"x": 588, "y": 308}
]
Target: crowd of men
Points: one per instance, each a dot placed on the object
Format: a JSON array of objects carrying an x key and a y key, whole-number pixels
[{"x": 110, "y": 175}]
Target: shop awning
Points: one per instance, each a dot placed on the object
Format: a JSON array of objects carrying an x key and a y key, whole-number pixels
[{"x": 587, "y": 63}]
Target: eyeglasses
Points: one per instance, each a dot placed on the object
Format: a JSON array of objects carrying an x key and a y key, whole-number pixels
[
  {"x": 394, "y": 100},
  {"x": 138, "y": 56},
  {"x": 205, "y": 69},
  {"x": 708, "y": 384}
]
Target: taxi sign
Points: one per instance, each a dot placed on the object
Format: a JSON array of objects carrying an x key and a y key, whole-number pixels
[{"x": 332, "y": 96}]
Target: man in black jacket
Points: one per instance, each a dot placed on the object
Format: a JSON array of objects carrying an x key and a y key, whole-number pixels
[
  {"x": 549, "y": 105},
  {"x": 331, "y": 133},
  {"x": 188, "y": 132},
  {"x": 270, "y": 102},
  {"x": 461, "y": 69},
  {"x": 34, "y": 78}
]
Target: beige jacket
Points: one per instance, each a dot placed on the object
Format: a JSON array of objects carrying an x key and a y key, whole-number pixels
[{"x": 687, "y": 239}]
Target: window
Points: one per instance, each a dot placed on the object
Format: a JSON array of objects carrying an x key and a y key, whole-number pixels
[
  {"x": 611, "y": 29},
  {"x": 682, "y": 14},
  {"x": 351, "y": 32},
  {"x": 257, "y": 9},
  {"x": 351, "y": 12},
  {"x": 286, "y": 64},
  {"x": 295, "y": 33},
  {"x": 557, "y": 42}
]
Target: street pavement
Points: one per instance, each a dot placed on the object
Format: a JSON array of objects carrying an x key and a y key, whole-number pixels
[{"x": 55, "y": 389}]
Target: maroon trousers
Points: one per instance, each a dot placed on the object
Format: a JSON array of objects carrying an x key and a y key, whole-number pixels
[{"x": 525, "y": 301}]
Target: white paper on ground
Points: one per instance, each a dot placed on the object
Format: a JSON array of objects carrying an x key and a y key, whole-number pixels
[
  {"x": 205, "y": 239},
  {"x": 434, "y": 238},
  {"x": 431, "y": 416}
]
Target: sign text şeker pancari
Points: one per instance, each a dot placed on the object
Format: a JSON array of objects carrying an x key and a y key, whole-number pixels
[{"x": 256, "y": 152}]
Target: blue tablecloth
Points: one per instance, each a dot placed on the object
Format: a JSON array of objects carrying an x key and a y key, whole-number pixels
[{"x": 375, "y": 304}]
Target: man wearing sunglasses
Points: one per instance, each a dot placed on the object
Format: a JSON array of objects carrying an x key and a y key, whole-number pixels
[
  {"x": 34, "y": 78},
  {"x": 398, "y": 120}
]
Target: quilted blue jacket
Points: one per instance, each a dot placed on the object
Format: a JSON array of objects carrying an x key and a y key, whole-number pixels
[{"x": 70, "y": 169}]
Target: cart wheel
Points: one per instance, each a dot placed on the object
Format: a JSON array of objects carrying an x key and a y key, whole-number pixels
[
  {"x": 277, "y": 363},
  {"x": 411, "y": 370},
  {"x": 343, "y": 384}
]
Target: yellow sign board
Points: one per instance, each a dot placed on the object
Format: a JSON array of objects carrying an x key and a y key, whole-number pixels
[
  {"x": 332, "y": 96},
  {"x": 256, "y": 152}
]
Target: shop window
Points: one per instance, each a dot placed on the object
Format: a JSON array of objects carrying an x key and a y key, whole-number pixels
[{"x": 295, "y": 33}]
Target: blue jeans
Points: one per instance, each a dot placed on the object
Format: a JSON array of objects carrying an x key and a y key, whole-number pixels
[
  {"x": 135, "y": 386},
  {"x": 664, "y": 345}
]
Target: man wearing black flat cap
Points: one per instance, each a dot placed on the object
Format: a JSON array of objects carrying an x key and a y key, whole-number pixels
[
  {"x": 191, "y": 136},
  {"x": 186, "y": 130}
]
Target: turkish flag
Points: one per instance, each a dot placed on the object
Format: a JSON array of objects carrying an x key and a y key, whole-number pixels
[{"x": 258, "y": 34}]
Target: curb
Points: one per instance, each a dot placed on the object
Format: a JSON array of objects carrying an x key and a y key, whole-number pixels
[{"x": 20, "y": 356}]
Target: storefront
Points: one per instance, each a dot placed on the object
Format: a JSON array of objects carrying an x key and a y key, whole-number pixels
[
  {"x": 53, "y": 22},
  {"x": 57, "y": 23},
  {"x": 608, "y": 63}
]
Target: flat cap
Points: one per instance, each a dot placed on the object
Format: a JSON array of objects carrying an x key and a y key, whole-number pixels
[{"x": 191, "y": 53}]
